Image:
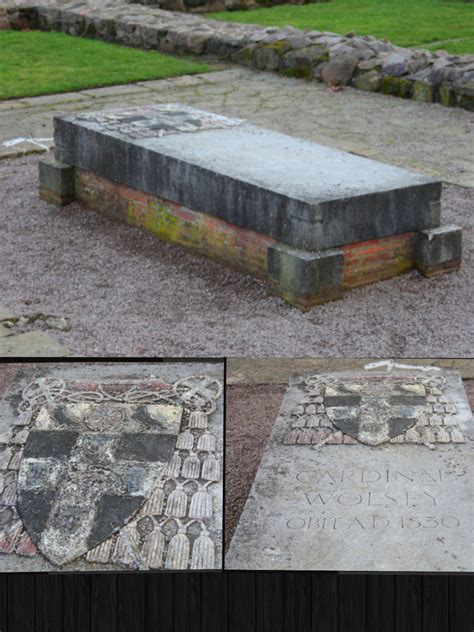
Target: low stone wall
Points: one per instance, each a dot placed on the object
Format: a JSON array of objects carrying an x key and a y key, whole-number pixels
[
  {"x": 4, "y": 21},
  {"x": 362, "y": 62},
  {"x": 202, "y": 6}
]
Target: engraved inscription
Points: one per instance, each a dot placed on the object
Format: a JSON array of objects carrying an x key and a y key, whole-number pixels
[{"x": 325, "y": 492}]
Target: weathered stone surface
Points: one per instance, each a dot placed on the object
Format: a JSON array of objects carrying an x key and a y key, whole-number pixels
[
  {"x": 439, "y": 249},
  {"x": 6, "y": 314},
  {"x": 305, "y": 279},
  {"x": 56, "y": 182},
  {"x": 369, "y": 81},
  {"x": 94, "y": 475},
  {"x": 362, "y": 474},
  {"x": 32, "y": 344},
  {"x": 306, "y": 195},
  {"x": 339, "y": 72}
]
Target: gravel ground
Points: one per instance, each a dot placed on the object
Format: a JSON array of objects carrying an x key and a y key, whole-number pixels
[
  {"x": 250, "y": 414},
  {"x": 126, "y": 293}
]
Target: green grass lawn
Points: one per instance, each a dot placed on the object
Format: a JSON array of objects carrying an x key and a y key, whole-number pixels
[
  {"x": 33, "y": 63},
  {"x": 403, "y": 22}
]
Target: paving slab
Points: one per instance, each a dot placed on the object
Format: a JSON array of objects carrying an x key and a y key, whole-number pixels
[
  {"x": 55, "y": 99},
  {"x": 6, "y": 314},
  {"x": 365, "y": 470},
  {"x": 112, "y": 468},
  {"x": 425, "y": 137},
  {"x": 31, "y": 344},
  {"x": 112, "y": 91}
]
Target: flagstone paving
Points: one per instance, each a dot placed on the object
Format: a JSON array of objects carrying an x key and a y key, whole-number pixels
[
  {"x": 112, "y": 468},
  {"x": 427, "y": 138},
  {"x": 26, "y": 344}
]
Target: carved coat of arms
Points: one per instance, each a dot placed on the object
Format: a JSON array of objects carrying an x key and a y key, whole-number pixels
[
  {"x": 374, "y": 410},
  {"x": 112, "y": 472}
]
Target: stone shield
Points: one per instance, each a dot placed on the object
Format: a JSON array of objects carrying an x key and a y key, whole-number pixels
[
  {"x": 87, "y": 468},
  {"x": 374, "y": 411}
]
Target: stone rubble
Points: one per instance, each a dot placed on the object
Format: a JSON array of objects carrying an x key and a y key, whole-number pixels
[
  {"x": 21, "y": 335},
  {"x": 339, "y": 60}
]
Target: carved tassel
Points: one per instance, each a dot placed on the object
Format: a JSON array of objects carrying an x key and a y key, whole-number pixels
[
  {"x": 154, "y": 548},
  {"x": 154, "y": 505},
  {"x": 412, "y": 436},
  {"x": 198, "y": 419},
  {"x": 430, "y": 434},
  {"x": 201, "y": 505},
  {"x": 456, "y": 436},
  {"x": 191, "y": 466},
  {"x": 421, "y": 421},
  {"x": 398, "y": 439},
  {"x": 325, "y": 422},
  {"x": 174, "y": 466},
  {"x": 24, "y": 418},
  {"x": 443, "y": 436},
  {"x": 5, "y": 456},
  {"x": 2, "y": 483},
  {"x": 15, "y": 461},
  {"x": 6, "y": 436},
  {"x": 311, "y": 409},
  {"x": 207, "y": 442},
  {"x": 313, "y": 421},
  {"x": 203, "y": 553},
  {"x": 9, "y": 493},
  {"x": 349, "y": 440},
  {"x": 21, "y": 437},
  {"x": 178, "y": 551},
  {"x": 211, "y": 470},
  {"x": 177, "y": 503},
  {"x": 317, "y": 436},
  {"x": 123, "y": 553},
  {"x": 291, "y": 437},
  {"x": 335, "y": 438},
  {"x": 101, "y": 553},
  {"x": 306, "y": 436},
  {"x": 185, "y": 441},
  {"x": 298, "y": 423}
]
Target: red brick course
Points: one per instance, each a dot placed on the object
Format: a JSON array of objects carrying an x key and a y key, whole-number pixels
[{"x": 241, "y": 249}]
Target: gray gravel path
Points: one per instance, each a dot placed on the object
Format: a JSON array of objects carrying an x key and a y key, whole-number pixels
[{"x": 126, "y": 293}]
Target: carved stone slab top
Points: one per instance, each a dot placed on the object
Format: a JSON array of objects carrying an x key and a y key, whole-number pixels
[
  {"x": 112, "y": 469},
  {"x": 156, "y": 121},
  {"x": 301, "y": 193},
  {"x": 364, "y": 471}
]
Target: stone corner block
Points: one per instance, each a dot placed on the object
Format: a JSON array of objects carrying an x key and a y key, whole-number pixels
[
  {"x": 303, "y": 278},
  {"x": 438, "y": 250},
  {"x": 56, "y": 182}
]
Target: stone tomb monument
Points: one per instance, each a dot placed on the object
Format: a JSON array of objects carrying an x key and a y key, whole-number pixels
[
  {"x": 364, "y": 471},
  {"x": 311, "y": 220},
  {"x": 112, "y": 468}
]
